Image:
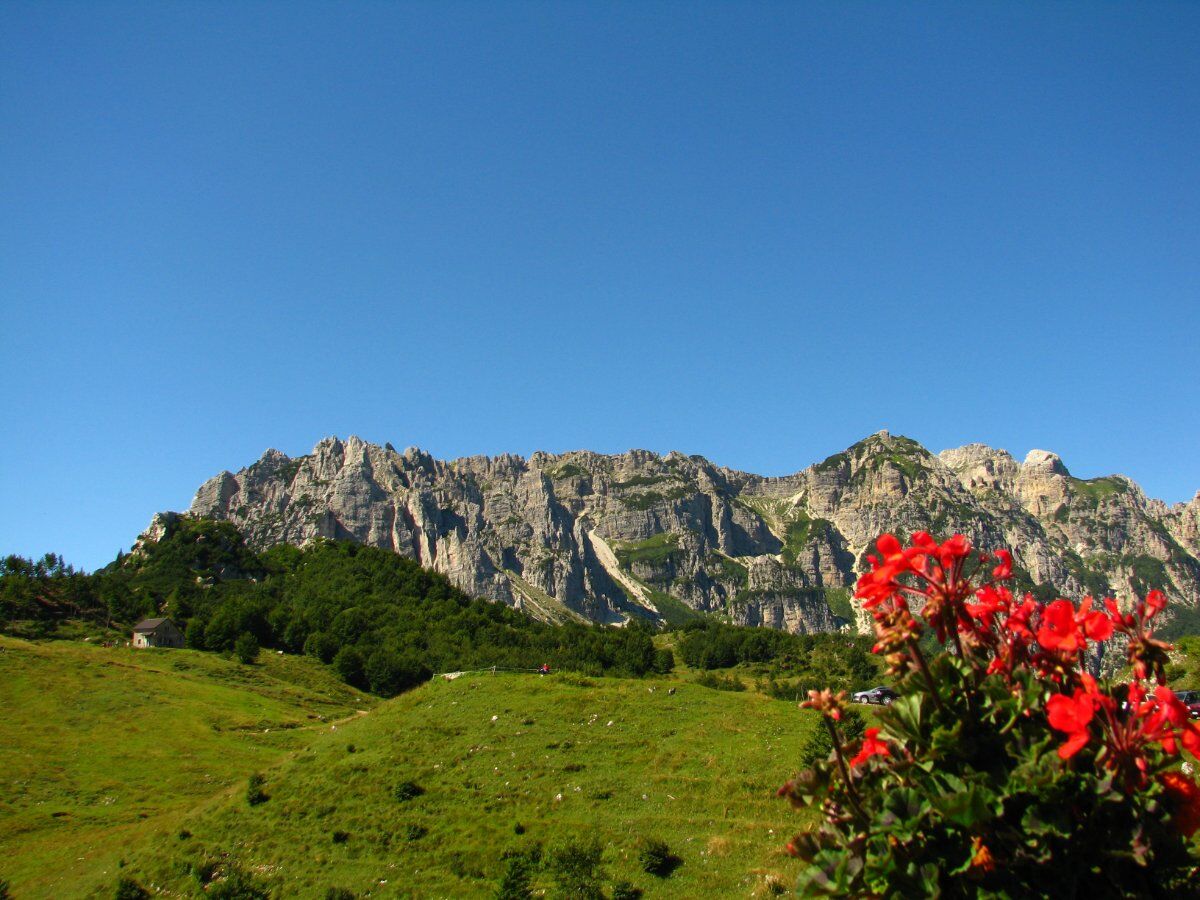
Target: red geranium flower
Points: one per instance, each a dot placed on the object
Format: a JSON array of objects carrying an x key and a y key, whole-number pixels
[
  {"x": 1003, "y": 571},
  {"x": 1168, "y": 715},
  {"x": 871, "y": 746},
  {"x": 991, "y": 602},
  {"x": 1096, "y": 625},
  {"x": 1059, "y": 630},
  {"x": 1071, "y": 715},
  {"x": 1184, "y": 796},
  {"x": 951, "y": 551},
  {"x": 1068, "y": 631}
]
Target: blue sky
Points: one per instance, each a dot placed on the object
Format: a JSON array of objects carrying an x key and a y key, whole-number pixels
[{"x": 758, "y": 232}]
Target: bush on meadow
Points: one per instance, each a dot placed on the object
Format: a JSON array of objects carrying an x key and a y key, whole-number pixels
[
  {"x": 656, "y": 858},
  {"x": 127, "y": 889}
]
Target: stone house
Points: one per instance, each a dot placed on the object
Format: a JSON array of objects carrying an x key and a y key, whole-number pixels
[{"x": 157, "y": 633}]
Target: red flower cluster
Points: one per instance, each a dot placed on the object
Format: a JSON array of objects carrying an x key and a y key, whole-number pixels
[
  {"x": 1068, "y": 630},
  {"x": 979, "y": 725},
  {"x": 998, "y": 634},
  {"x": 932, "y": 575}
]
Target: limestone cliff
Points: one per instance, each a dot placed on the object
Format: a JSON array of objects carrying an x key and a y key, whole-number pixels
[{"x": 585, "y": 535}]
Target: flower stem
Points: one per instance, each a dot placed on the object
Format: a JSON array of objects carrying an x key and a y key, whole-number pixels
[
  {"x": 919, "y": 659},
  {"x": 851, "y": 792}
]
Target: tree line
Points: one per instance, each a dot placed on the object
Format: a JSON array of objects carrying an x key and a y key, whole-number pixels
[
  {"x": 383, "y": 622},
  {"x": 787, "y": 664}
]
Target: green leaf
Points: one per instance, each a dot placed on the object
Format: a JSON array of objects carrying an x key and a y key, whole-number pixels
[
  {"x": 947, "y": 740},
  {"x": 905, "y": 717},
  {"x": 969, "y": 808},
  {"x": 832, "y": 873}
]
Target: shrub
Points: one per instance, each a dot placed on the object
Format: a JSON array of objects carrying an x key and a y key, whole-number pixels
[
  {"x": 415, "y": 832},
  {"x": 389, "y": 673},
  {"x": 664, "y": 661},
  {"x": 576, "y": 870},
  {"x": 340, "y": 837},
  {"x": 246, "y": 648},
  {"x": 626, "y": 890},
  {"x": 3, "y": 889},
  {"x": 516, "y": 882},
  {"x": 720, "y": 682},
  {"x": 204, "y": 871},
  {"x": 463, "y": 864},
  {"x": 254, "y": 792},
  {"x": 533, "y": 854},
  {"x": 321, "y": 645},
  {"x": 407, "y": 790},
  {"x": 1004, "y": 768},
  {"x": 236, "y": 885},
  {"x": 339, "y": 893},
  {"x": 128, "y": 889},
  {"x": 656, "y": 858}
]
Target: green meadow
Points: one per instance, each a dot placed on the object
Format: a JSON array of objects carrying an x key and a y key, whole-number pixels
[
  {"x": 104, "y": 750},
  {"x": 136, "y": 764}
]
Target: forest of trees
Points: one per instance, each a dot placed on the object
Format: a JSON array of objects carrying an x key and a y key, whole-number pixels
[
  {"x": 788, "y": 664},
  {"x": 381, "y": 620}
]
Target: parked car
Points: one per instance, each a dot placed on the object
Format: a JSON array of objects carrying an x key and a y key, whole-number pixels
[
  {"x": 881, "y": 695},
  {"x": 1190, "y": 699}
]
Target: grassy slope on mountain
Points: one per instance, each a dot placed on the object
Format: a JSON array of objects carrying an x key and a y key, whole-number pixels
[
  {"x": 115, "y": 754},
  {"x": 105, "y": 748},
  {"x": 567, "y": 759}
]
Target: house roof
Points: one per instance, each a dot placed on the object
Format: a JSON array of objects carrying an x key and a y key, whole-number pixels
[{"x": 149, "y": 625}]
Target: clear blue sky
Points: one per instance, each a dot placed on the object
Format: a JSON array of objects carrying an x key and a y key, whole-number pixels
[{"x": 758, "y": 232}]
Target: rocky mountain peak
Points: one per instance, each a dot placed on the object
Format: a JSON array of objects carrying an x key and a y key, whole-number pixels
[
  {"x": 1044, "y": 462},
  {"x": 160, "y": 523},
  {"x": 980, "y": 467},
  {"x": 331, "y": 444},
  {"x": 608, "y": 537}
]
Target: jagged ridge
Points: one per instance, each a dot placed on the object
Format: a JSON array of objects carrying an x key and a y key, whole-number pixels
[{"x": 605, "y": 537}]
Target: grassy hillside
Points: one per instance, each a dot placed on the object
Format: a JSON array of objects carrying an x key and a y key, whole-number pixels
[
  {"x": 507, "y": 763},
  {"x": 103, "y": 750},
  {"x": 136, "y": 764},
  {"x": 112, "y": 755}
]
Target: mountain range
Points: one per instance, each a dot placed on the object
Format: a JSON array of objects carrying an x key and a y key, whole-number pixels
[{"x": 598, "y": 537}]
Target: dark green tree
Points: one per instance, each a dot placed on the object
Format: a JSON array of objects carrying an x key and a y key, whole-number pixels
[
  {"x": 246, "y": 648},
  {"x": 193, "y": 634},
  {"x": 349, "y": 665}
]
